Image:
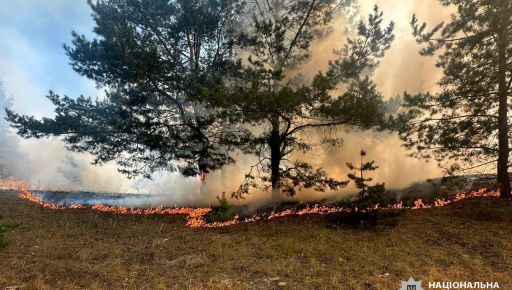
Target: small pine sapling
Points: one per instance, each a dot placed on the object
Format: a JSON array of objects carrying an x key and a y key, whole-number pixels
[{"x": 368, "y": 195}]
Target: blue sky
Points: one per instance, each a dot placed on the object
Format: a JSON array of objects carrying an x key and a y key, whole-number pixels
[{"x": 32, "y": 59}]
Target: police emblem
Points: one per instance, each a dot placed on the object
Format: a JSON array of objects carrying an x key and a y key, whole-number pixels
[{"x": 411, "y": 284}]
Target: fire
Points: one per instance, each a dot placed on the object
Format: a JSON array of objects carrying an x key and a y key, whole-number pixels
[
  {"x": 194, "y": 214},
  {"x": 13, "y": 184},
  {"x": 196, "y": 217},
  {"x": 202, "y": 176}
]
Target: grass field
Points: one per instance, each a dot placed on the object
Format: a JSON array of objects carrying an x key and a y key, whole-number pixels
[{"x": 82, "y": 249}]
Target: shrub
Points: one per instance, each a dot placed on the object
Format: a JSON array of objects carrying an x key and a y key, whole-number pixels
[{"x": 223, "y": 212}]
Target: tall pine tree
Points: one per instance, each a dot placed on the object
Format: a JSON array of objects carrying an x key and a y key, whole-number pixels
[
  {"x": 287, "y": 111},
  {"x": 156, "y": 60},
  {"x": 469, "y": 120}
]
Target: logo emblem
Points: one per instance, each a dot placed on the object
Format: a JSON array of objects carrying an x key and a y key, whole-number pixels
[{"x": 411, "y": 284}]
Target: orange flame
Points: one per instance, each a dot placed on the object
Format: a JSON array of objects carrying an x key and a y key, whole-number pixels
[
  {"x": 12, "y": 183},
  {"x": 196, "y": 217}
]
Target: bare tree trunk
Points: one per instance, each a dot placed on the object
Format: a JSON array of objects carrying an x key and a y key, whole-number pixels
[
  {"x": 363, "y": 190},
  {"x": 275, "y": 158},
  {"x": 503, "y": 127},
  {"x": 223, "y": 178},
  {"x": 202, "y": 188}
]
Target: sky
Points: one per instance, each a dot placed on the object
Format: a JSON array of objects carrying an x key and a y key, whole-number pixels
[
  {"x": 32, "y": 58},
  {"x": 33, "y": 61}
]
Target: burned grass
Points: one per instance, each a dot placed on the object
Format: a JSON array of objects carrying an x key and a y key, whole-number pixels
[{"x": 77, "y": 249}]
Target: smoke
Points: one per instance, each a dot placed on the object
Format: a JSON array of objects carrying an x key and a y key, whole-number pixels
[
  {"x": 10, "y": 157},
  {"x": 48, "y": 165},
  {"x": 402, "y": 69}
]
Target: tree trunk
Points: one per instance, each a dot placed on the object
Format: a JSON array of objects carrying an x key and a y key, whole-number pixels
[
  {"x": 503, "y": 128},
  {"x": 275, "y": 144},
  {"x": 363, "y": 190},
  {"x": 223, "y": 178},
  {"x": 275, "y": 158}
]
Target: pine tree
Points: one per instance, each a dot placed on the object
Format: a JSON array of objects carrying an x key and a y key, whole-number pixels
[
  {"x": 361, "y": 179},
  {"x": 468, "y": 120},
  {"x": 156, "y": 60},
  {"x": 287, "y": 110}
]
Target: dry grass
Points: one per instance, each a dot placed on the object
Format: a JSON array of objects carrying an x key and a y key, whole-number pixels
[{"x": 85, "y": 249}]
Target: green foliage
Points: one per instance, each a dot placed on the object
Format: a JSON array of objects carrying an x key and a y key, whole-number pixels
[
  {"x": 369, "y": 195},
  {"x": 462, "y": 122},
  {"x": 289, "y": 108},
  {"x": 223, "y": 212},
  {"x": 157, "y": 61},
  {"x": 224, "y": 205}
]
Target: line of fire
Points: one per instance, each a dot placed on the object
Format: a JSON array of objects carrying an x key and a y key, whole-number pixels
[{"x": 255, "y": 144}]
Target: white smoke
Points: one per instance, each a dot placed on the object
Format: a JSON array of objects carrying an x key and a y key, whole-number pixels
[{"x": 10, "y": 157}]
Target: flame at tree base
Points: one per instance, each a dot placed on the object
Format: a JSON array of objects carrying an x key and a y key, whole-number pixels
[{"x": 197, "y": 217}]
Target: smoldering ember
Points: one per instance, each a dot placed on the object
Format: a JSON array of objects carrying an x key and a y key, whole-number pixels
[{"x": 255, "y": 144}]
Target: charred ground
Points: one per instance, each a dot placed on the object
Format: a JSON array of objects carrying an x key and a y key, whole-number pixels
[{"x": 86, "y": 249}]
